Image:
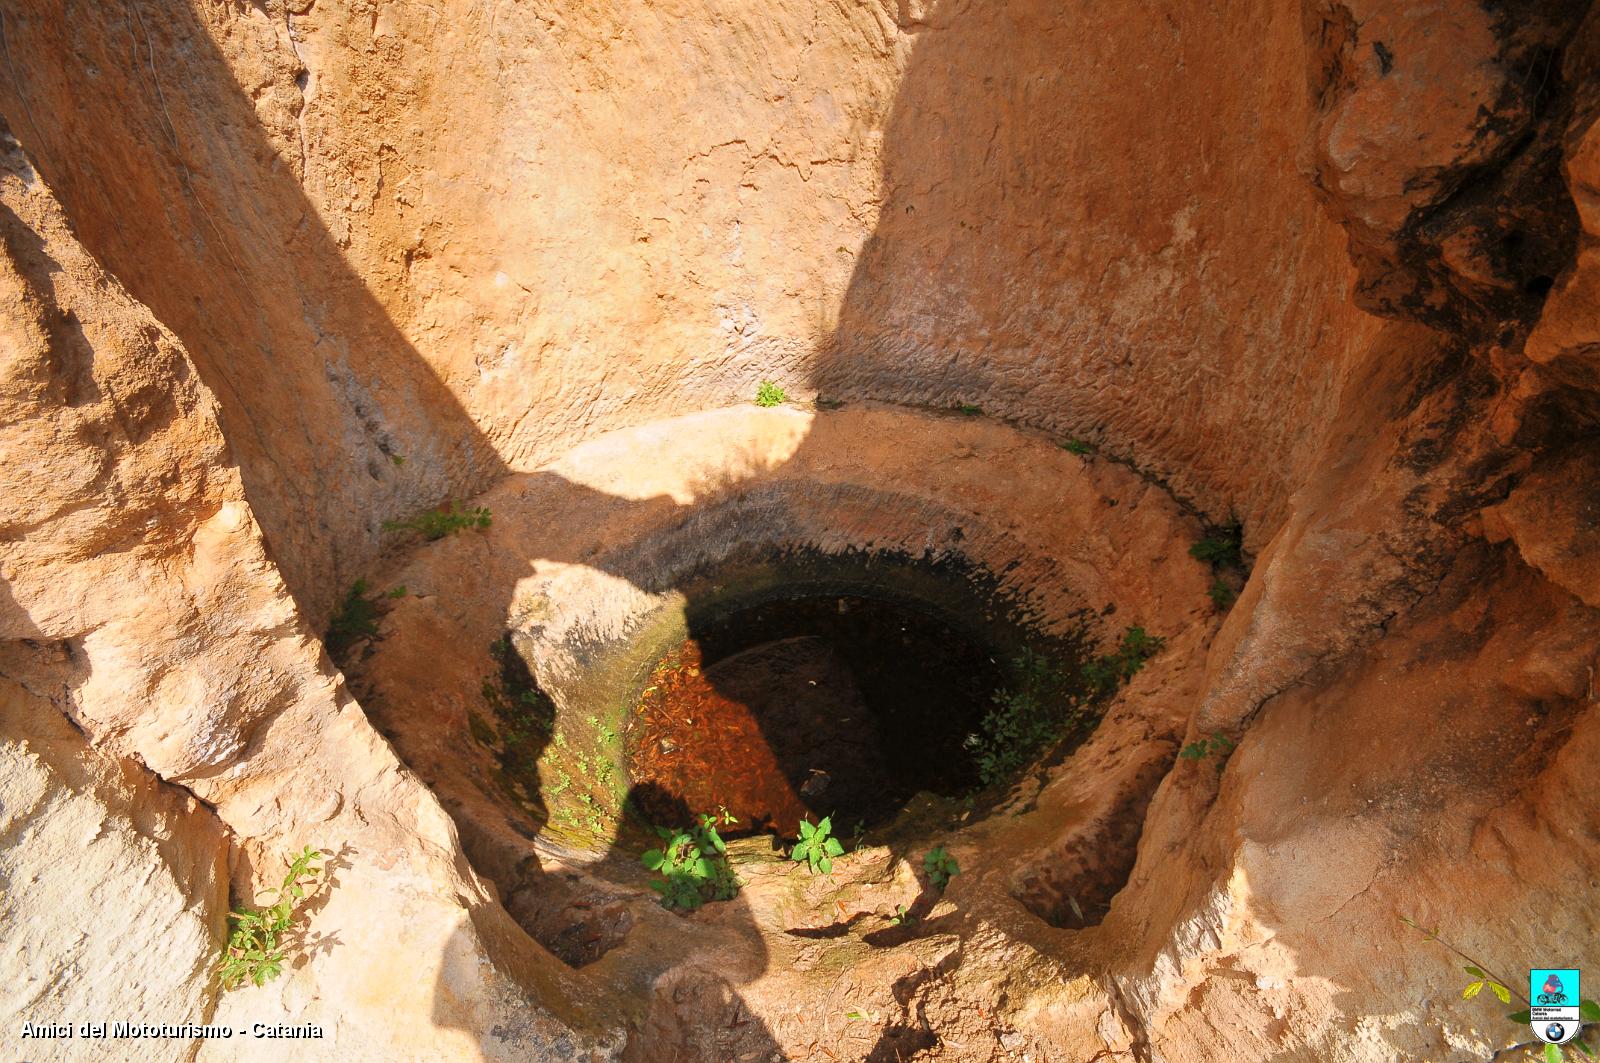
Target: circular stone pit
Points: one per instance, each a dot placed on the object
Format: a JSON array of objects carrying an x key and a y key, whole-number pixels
[{"x": 511, "y": 673}]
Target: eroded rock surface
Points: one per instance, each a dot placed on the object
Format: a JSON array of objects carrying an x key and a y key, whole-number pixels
[{"x": 276, "y": 274}]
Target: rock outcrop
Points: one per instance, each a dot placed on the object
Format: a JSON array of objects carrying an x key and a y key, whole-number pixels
[{"x": 276, "y": 275}]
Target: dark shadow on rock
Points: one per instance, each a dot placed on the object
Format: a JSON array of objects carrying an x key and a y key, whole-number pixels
[{"x": 305, "y": 945}]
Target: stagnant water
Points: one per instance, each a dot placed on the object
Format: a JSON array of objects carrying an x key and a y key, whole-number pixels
[{"x": 834, "y": 705}]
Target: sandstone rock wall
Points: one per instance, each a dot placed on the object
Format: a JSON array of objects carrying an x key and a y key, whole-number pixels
[
  {"x": 106, "y": 873},
  {"x": 463, "y": 236},
  {"x": 138, "y": 603},
  {"x": 287, "y": 270},
  {"x": 1469, "y": 423}
]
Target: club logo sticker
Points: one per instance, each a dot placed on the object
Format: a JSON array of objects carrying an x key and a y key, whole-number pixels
[{"x": 1553, "y": 993}]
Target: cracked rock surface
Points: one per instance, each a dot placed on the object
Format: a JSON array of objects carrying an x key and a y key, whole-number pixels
[{"x": 1053, "y": 291}]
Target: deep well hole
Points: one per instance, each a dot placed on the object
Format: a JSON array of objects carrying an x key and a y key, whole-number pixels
[
  {"x": 812, "y": 685},
  {"x": 781, "y": 648},
  {"x": 797, "y": 686},
  {"x": 808, "y": 706}
]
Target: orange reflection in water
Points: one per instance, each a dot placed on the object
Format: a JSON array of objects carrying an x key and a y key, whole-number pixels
[{"x": 695, "y": 743}]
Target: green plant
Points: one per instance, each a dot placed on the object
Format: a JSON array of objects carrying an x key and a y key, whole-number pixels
[
  {"x": 1109, "y": 671},
  {"x": 255, "y": 951},
  {"x": 397, "y": 592},
  {"x": 1205, "y": 747},
  {"x": 970, "y": 409},
  {"x": 1222, "y": 547},
  {"x": 858, "y": 836},
  {"x": 940, "y": 866},
  {"x": 356, "y": 619},
  {"x": 1500, "y": 988},
  {"x": 523, "y": 718},
  {"x": 1041, "y": 707},
  {"x": 1078, "y": 446},
  {"x": 770, "y": 394},
  {"x": 901, "y": 916},
  {"x": 1034, "y": 711},
  {"x": 435, "y": 524},
  {"x": 693, "y": 864},
  {"x": 816, "y": 848},
  {"x": 1221, "y": 593},
  {"x": 398, "y": 459}
]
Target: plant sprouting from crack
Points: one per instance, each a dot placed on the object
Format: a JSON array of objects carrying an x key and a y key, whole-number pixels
[
  {"x": 1223, "y": 549},
  {"x": 1217, "y": 745},
  {"x": 255, "y": 951},
  {"x": 816, "y": 847},
  {"x": 435, "y": 524},
  {"x": 940, "y": 866},
  {"x": 355, "y": 620},
  {"x": 1110, "y": 670},
  {"x": 1042, "y": 707},
  {"x": 693, "y": 864},
  {"x": 1034, "y": 711},
  {"x": 769, "y": 394}
]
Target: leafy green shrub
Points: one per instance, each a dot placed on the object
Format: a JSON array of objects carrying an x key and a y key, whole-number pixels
[
  {"x": 356, "y": 619},
  {"x": 1223, "y": 547},
  {"x": 1042, "y": 708},
  {"x": 816, "y": 848},
  {"x": 434, "y": 524},
  {"x": 940, "y": 866},
  {"x": 1109, "y": 671},
  {"x": 693, "y": 865},
  {"x": 1206, "y": 747},
  {"x": 1221, "y": 593},
  {"x": 1035, "y": 711},
  {"x": 770, "y": 394},
  {"x": 255, "y": 950},
  {"x": 522, "y": 723}
]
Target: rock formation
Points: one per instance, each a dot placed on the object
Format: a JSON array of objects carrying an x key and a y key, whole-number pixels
[{"x": 278, "y": 276}]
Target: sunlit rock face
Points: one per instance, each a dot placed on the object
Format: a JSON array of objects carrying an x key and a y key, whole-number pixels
[{"x": 1052, "y": 293}]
